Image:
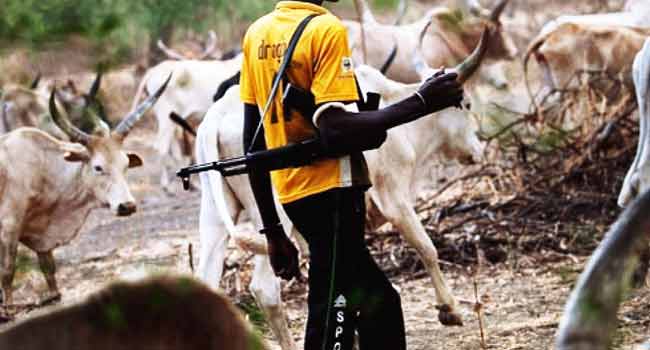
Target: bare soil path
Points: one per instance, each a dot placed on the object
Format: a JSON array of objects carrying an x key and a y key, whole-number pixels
[{"x": 522, "y": 306}]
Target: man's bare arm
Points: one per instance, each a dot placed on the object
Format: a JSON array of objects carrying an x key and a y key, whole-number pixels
[
  {"x": 260, "y": 180},
  {"x": 282, "y": 253}
]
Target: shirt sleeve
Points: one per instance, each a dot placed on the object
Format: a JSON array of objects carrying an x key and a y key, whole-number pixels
[
  {"x": 246, "y": 85},
  {"x": 333, "y": 70}
]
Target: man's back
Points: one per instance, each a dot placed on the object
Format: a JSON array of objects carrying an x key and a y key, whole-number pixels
[{"x": 320, "y": 64}]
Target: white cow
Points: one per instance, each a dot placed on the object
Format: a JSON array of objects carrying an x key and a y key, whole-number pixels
[
  {"x": 223, "y": 202},
  {"x": 190, "y": 93},
  {"x": 48, "y": 187},
  {"x": 637, "y": 179},
  {"x": 590, "y": 317},
  {"x": 447, "y": 36},
  {"x": 392, "y": 169},
  {"x": 635, "y": 14}
]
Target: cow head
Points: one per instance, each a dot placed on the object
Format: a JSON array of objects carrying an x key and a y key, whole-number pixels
[
  {"x": 461, "y": 33},
  {"x": 209, "y": 49},
  {"x": 458, "y": 130},
  {"x": 104, "y": 162},
  {"x": 85, "y": 109}
]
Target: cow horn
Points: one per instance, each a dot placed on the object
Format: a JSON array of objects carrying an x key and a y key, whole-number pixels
[
  {"x": 210, "y": 45},
  {"x": 64, "y": 123},
  {"x": 94, "y": 89},
  {"x": 169, "y": 52},
  {"x": 465, "y": 69},
  {"x": 123, "y": 128},
  {"x": 498, "y": 10},
  {"x": 470, "y": 65}
]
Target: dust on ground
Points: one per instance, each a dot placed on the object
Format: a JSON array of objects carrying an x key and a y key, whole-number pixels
[
  {"x": 522, "y": 300},
  {"x": 523, "y": 297}
]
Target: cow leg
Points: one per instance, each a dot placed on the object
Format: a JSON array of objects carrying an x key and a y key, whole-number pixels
[
  {"x": 9, "y": 232},
  {"x": 402, "y": 215},
  {"x": 266, "y": 289},
  {"x": 264, "y": 286},
  {"x": 214, "y": 238},
  {"x": 163, "y": 141},
  {"x": 48, "y": 268}
]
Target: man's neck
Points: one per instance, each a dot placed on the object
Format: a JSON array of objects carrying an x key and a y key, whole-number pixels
[{"x": 317, "y": 2}]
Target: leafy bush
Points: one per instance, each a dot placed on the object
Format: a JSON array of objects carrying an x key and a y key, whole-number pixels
[{"x": 117, "y": 27}]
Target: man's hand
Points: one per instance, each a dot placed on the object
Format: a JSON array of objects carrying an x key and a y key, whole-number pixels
[
  {"x": 282, "y": 252},
  {"x": 441, "y": 91}
]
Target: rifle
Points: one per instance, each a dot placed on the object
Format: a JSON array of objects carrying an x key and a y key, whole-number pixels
[{"x": 289, "y": 156}]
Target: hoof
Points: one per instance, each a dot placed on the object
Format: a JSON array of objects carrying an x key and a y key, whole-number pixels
[{"x": 448, "y": 317}]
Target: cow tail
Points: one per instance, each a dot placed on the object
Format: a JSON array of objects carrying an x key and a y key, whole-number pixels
[
  {"x": 140, "y": 90},
  {"x": 207, "y": 150}
]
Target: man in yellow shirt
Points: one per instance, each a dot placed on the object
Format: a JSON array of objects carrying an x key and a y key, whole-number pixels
[{"x": 325, "y": 199}]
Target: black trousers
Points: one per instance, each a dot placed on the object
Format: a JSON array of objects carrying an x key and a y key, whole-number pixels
[{"x": 347, "y": 290}]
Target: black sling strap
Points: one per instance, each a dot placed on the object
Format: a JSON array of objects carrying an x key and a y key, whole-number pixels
[{"x": 286, "y": 60}]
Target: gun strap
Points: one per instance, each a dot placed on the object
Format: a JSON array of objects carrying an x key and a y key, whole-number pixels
[{"x": 286, "y": 60}]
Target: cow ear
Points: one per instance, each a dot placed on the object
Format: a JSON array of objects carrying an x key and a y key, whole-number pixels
[
  {"x": 134, "y": 160},
  {"x": 75, "y": 156}
]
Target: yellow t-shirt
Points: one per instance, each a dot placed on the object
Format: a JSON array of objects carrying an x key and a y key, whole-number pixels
[{"x": 321, "y": 64}]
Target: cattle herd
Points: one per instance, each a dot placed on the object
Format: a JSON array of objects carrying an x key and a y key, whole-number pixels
[{"x": 61, "y": 157}]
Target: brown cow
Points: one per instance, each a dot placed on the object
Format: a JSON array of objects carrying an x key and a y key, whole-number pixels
[
  {"x": 116, "y": 91},
  {"x": 164, "y": 313},
  {"x": 48, "y": 187},
  {"x": 27, "y": 107},
  {"x": 450, "y": 38},
  {"x": 571, "y": 48}
]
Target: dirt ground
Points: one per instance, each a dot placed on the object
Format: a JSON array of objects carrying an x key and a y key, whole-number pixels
[
  {"x": 523, "y": 297},
  {"x": 522, "y": 304}
]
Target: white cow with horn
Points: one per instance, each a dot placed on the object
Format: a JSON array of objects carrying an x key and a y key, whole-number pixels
[
  {"x": 448, "y": 39},
  {"x": 190, "y": 93},
  {"x": 392, "y": 169},
  {"x": 48, "y": 187}
]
